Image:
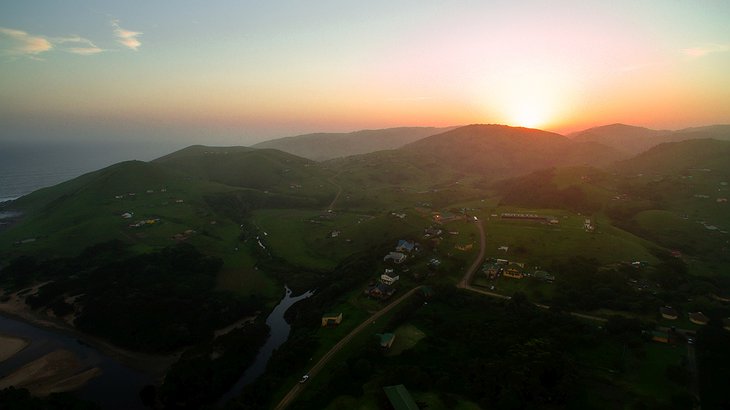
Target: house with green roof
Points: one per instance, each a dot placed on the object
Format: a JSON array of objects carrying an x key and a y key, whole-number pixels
[
  {"x": 386, "y": 339},
  {"x": 399, "y": 398}
]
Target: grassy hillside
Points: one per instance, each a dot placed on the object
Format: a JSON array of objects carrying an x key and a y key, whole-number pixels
[
  {"x": 324, "y": 146},
  {"x": 264, "y": 169},
  {"x": 680, "y": 157}
]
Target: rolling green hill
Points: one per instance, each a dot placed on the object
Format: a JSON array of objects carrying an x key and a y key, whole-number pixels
[
  {"x": 677, "y": 157},
  {"x": 244, "y": 167}
]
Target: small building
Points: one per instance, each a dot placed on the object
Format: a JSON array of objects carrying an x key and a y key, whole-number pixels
[
  {"x": 405, "y": 246},
  {"x": 331, "y": 319},
  {"x": 465, "y": 247},
  {"x": 397, "y": 257},
  {"x": 668, "y": 312},
  {"x": 388, "y": 279},
  {"x": 698, "y": 318},
  {"x": 386, "y": 340},
  {"x": 512, "y": 273},
  {"x": 514, "y": 270},
  {"x": 400, "y": 398},
  {"x": 493, "y": 270},
  {"x": 127, "y": 215}
]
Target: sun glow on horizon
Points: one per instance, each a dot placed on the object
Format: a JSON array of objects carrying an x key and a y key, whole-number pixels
[{"x": 529, "y": 114}]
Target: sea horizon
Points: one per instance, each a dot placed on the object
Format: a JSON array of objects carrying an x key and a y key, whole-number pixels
[{"x": 28, "y": 167}]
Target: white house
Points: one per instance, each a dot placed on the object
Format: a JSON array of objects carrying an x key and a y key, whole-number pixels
[{"x": 389, "y": 280}]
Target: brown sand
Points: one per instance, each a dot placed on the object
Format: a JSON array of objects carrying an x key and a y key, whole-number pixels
[
  {"x": 10, "y": 345},
  {"x": 57, "y": 371}
]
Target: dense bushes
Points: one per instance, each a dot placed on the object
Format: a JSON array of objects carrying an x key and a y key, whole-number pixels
[{"x": 156, "y": 302}]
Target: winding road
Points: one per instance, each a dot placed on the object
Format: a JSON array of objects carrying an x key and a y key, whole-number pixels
[
  {"x": 464, "y": 283},
  {"x": 294, "y": 392}
]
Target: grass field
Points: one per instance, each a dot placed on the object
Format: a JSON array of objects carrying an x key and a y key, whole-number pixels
[
  {"x": 406, "y": 336},
  {"x": 536, "y": 243}
]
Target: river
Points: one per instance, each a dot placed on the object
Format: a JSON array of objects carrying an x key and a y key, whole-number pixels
[
  {"x": 279, "y": 334},
  {"x": 117, "y": 387}
]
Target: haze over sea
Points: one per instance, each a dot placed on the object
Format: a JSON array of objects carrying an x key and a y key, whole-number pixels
[{"x": 28, "y": 166}]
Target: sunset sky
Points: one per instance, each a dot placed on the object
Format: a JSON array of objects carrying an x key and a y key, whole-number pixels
[{"x": 238, "y": 72}]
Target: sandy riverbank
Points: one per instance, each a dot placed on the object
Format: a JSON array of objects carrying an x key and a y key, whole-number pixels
[
  {"x": 10, "y": 345},
  {"x": 57, "y": 371},
  {"x": 154, "y": 365}
]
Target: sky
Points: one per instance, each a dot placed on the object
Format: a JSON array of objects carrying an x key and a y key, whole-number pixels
[{"x": 240, "y": 72}]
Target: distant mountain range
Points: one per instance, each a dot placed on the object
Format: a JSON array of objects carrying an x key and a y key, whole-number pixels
[
  {"x": 626, "y": 140},
  {"x": 324, "y": 146},
  {"x": 633, "y": 140}
]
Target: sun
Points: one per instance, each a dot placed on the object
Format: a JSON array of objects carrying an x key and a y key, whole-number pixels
[{"x": 529, "y": 112}]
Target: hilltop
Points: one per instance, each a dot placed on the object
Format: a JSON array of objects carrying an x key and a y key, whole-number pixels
[
  {"x": 323, "y": 146},
  {"x": 506, "y": 150}
]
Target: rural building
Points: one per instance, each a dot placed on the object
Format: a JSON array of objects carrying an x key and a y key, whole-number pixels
[
  {"x": 514, "y": 270},
  {"x": 726, "y": 323},
  {"x": 588, "y": 225},
  {"x": 527, "y": 217},
  {"x": 388, "y": 279},
  {"x": 405, "y": 246},
  {"x": 397, "y": 257},
  {"x": 386, "y": 339},
  {"x": 512, "y": 273},
  {"x": 668, "y": 312},
  {"x": 399, "y": 398},
  {"x": 698, "y": 318},
  {"x": 492, "y": 270},
  {"x": 465, "y": 247},
  {"x": 331, "y": 319}
]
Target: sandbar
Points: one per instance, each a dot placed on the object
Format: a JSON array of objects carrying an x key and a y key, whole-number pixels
[{"x": 10, "y": 345}]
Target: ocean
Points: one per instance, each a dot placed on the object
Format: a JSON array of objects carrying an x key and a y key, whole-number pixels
[{"x": 26, "y": 167}]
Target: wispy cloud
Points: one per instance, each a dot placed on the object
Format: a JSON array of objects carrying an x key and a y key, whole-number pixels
[
  {"x": 20, "y": 43},
  {"x": 78, "y": 45},
  {"x": 701, "y": 51},
  {"x": 126, "y": 37}
]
